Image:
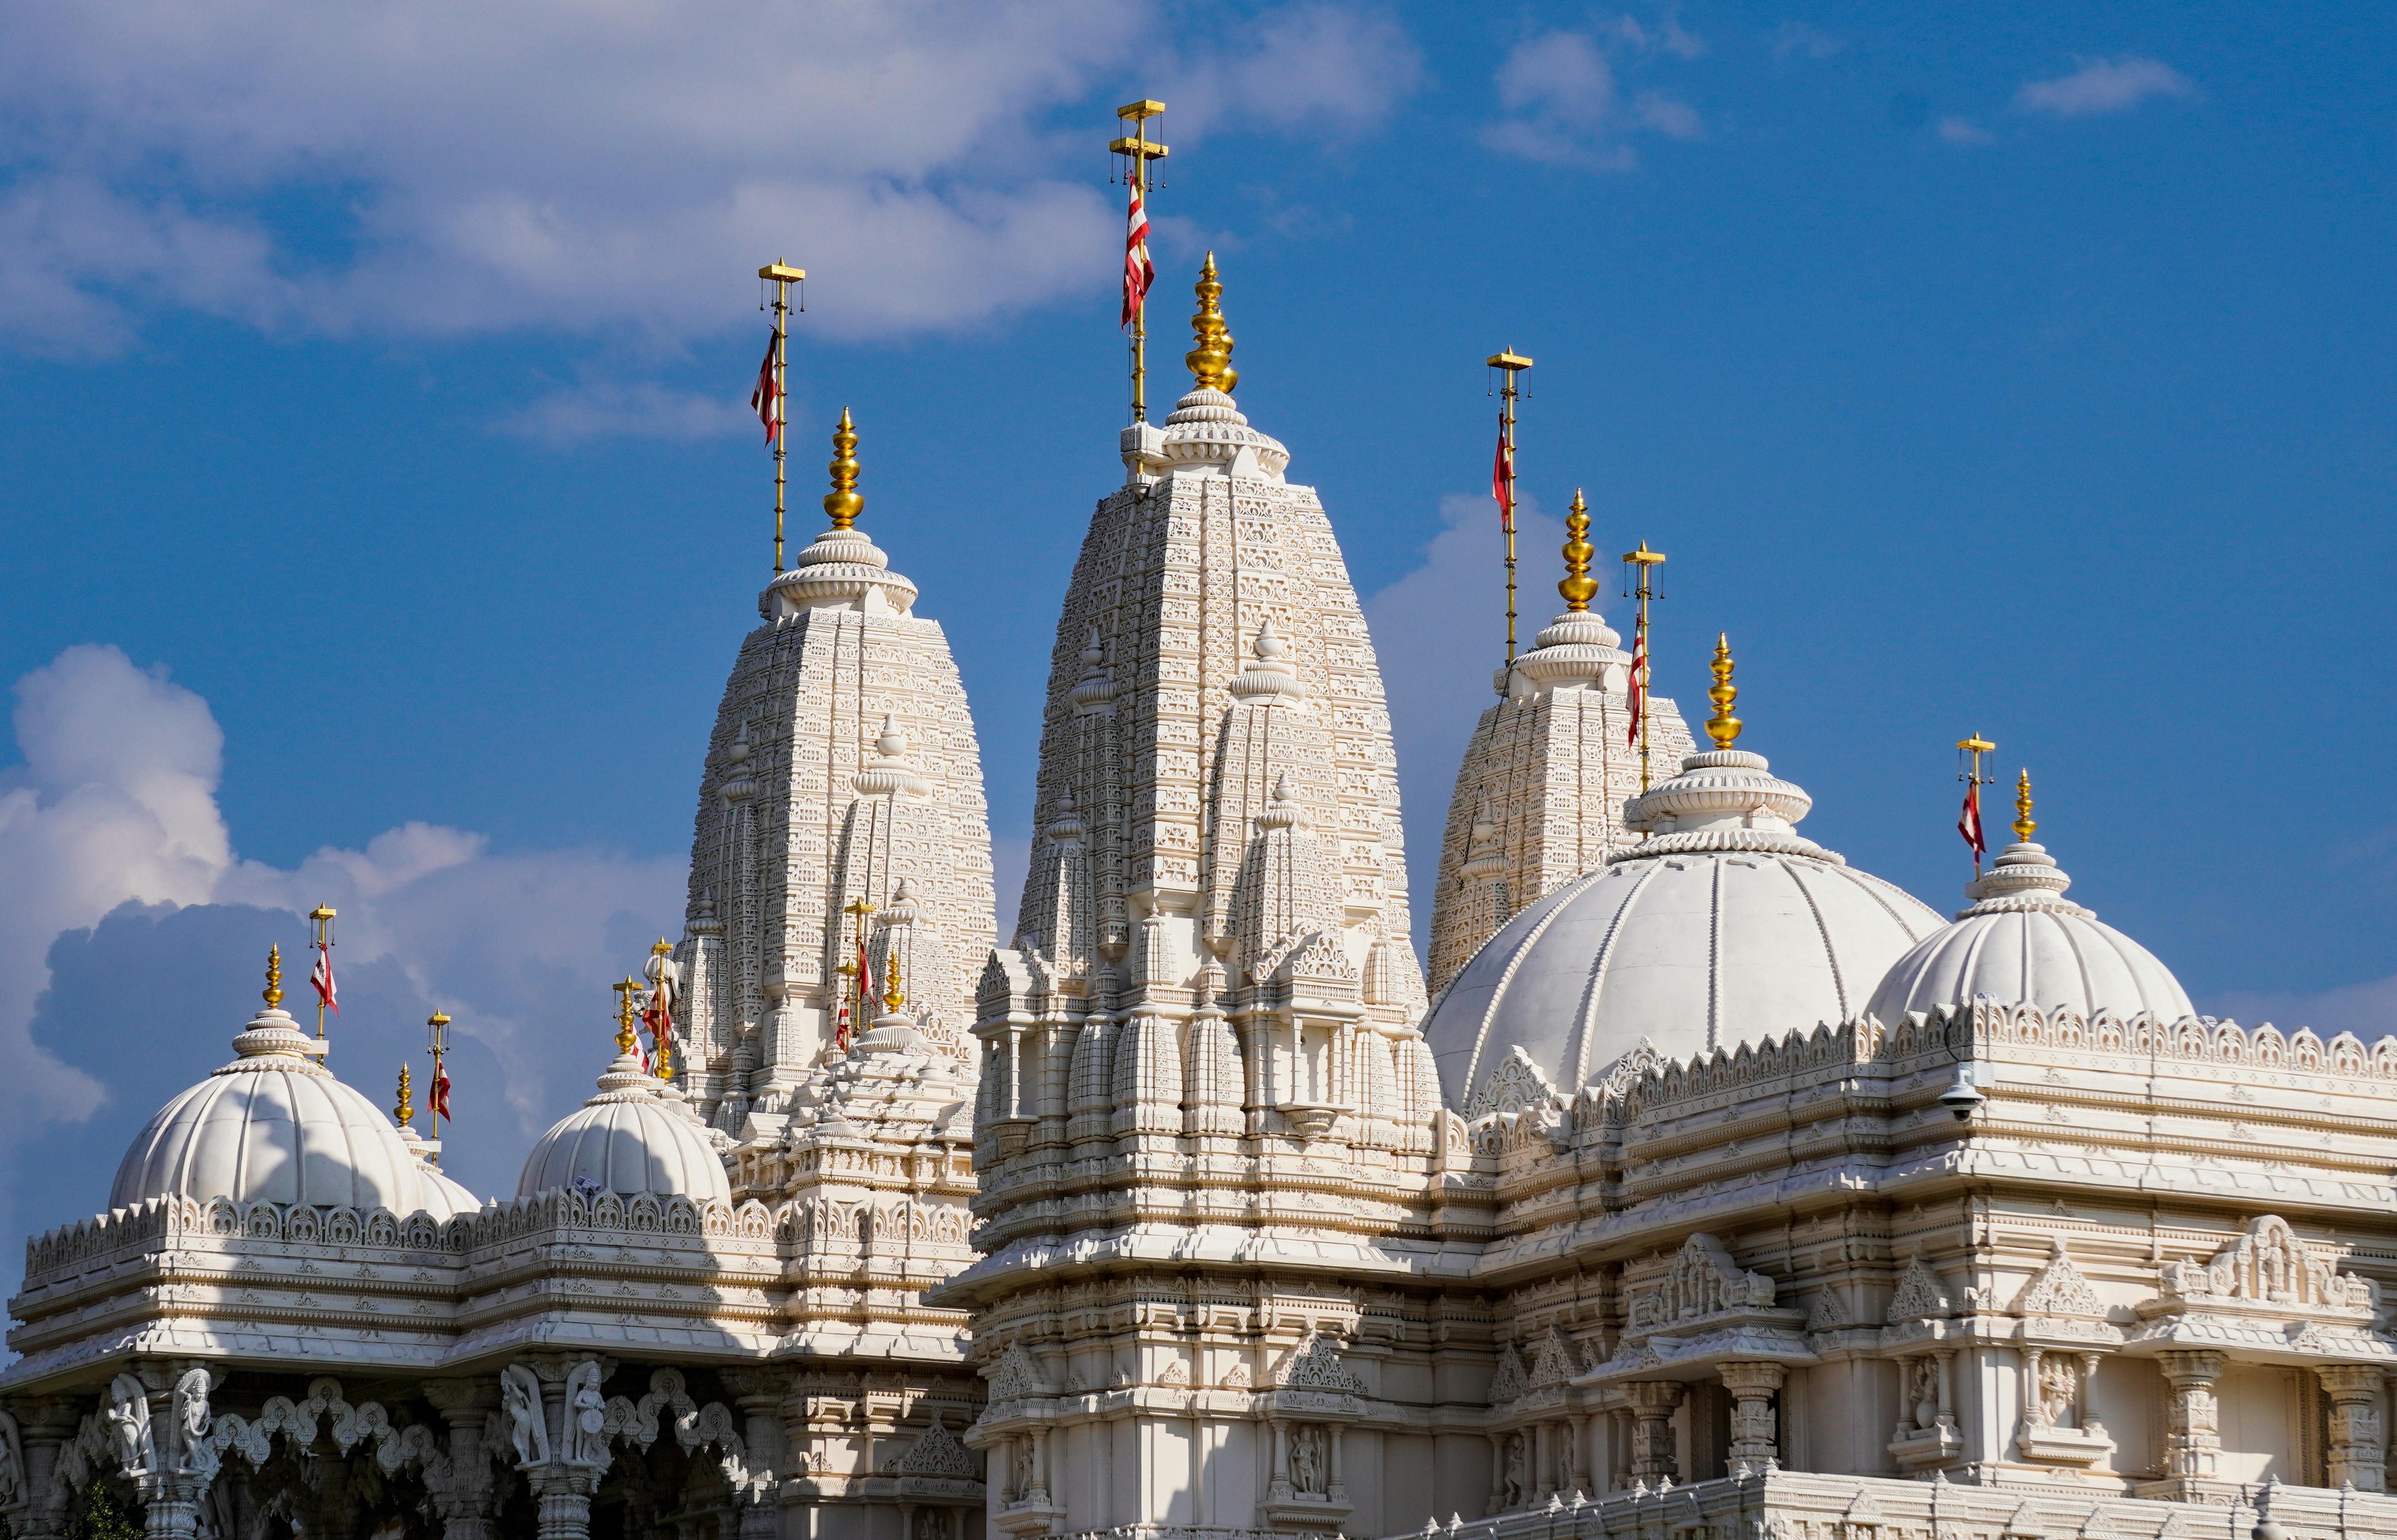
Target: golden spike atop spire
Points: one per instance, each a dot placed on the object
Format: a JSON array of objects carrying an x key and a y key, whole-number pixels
[
  {"x": 273, "y": 995},
  {"x": 1210, "y": 361},
  {"x": 407, "y": 1108},
  {"x": 1722, "y": 727},
  {"x": 625, "y": 1038},
  {"x": 1578, "y": 587},
  {"x": 844, "y": 503},
  {"x": 891, "y": 998},
  {"x": 2024, "y": 826}
]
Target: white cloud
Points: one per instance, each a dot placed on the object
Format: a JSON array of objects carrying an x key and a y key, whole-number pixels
[
  {"x": 1960, "y": 130},
  {"x": 641, "y": 410},
  {"x": 2104, "y": 86},
  {"x": 1566, "y": 107},
  {"x": 116, "y": 804},
  {"x": 1797, "y": 40},
  {"x": 2367, "y": 1010},
  {"x": 612, "y": 169}
]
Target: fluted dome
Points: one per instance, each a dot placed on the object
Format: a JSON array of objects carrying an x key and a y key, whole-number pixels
[
  {"x": 276, "y": 1126},
  {"x": 1724, "y": 925},
  {"x": 2023, "y": 941},
  {"x": 627, "y": 1139}
]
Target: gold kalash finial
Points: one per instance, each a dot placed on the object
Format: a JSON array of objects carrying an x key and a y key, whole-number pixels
[
  {"x": 1722, "y": 727},
  {"x": 273, "y": 995},
  {"x": 407, "y": 1108},
  {"x": 2024, "y": 827},
  {"x": 891, "y": 998},
  {"x": 624, "y": 992},
  {"x": 1210, "y": 361},
  {"x": 844, "y": 503},
  {"x": 1579, "y": 587}
]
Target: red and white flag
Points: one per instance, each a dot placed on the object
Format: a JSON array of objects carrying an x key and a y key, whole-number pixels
[
  {"x": 1968, "y": 822},
  {"x": 1502, "y": 482},
  {"x": 1639, "y": 680},
  {"x": 321, "y": 977},
  {"x": 440, "y": 1098},
  {"x": 766, "y": 396},
  {"x": 1139, "y": 272}
]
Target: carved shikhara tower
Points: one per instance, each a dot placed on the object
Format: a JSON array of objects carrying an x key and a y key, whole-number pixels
[
  {"x": 843, "y": 767},
  {"x": 1200, "y": 1053}
]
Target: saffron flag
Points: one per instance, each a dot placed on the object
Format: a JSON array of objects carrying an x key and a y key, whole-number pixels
[
  {"x": 1968, "y": 822},
  {"x": 766, "y": 396},
  {"x": 1501, "y": 483},
  {"x": 1139, "y": 272},
  {"x": 440, "y": 1097},
  {"x": 1638, "y": 681},
  {"x": 321, "y": 976}
]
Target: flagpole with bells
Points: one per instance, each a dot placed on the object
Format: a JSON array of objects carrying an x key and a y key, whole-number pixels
[
  {"x": 1138, "y": 152},
  {"x": 323, "y": 916},
  {"x": 661, "y": 1027},
  {"x": 1971, "y": 749},
  {"x": 1514, "y": 364},
  {"x": 860, "y": 992},
  {"x": 781, "y": 277},
  {"x": 1640, "y": 568},
  {"x": 436, "y": 1035}
]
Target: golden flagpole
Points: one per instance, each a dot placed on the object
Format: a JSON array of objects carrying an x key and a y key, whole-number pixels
[
  {"x": 322, "y": 917},
  {"x": 1138, "y": 152},
  {"x": 1643, "y": 562},
  {"x": 1514, "y": 364},
  {"x": 1974, "y": 747},
  {"x": 781, "y": 277}
]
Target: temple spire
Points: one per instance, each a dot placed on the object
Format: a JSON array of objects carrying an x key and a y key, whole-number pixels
[
  {"x": 1722, "y": 727},
  {"x": 2024, "y": 825},
  {"x": 844, "y": 502},
  {"x": 1210, "y": 359},
  {"x": 1578, "y": 587}
]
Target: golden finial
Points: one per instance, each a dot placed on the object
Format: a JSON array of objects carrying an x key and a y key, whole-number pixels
[
  {"x": 1579, "y": 587},
  {"x": 1722, "y": 727},
  {"x": 661, "y": 948},
  {"x": 665, "y": 1055},
  {"x": 843, "y": 503},
  {"x": 407, "y": 1108},
  {"x": 1210, "y": 361},
  {"x": 625, "y": 1038},
  {"x": 891, "y": 998},
  {"x": 273, "y": 995},
  {"x": 2024, "y": 827}
]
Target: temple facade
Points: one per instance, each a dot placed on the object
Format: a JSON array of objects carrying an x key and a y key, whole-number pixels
[{"x": 1715, "y": 1188}]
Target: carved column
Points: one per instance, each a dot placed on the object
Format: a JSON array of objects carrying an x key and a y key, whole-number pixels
[
  {"x": 1755, "y": 1429},
  {"x": 1280, "y": 1489},
  {"x": 1338, "y": 1490},
  {"x": 44, "y": 1428},
  {"x": 1653, "y": 1457},
  {"x": 461, "y": 1486},
  {"x": 1545, "y": 1479},
  {"x": 181, "y": 1463},
  {"x": 1496, "y": 1502},
  {"x": 564, "y": 1493},
  {"x": 2192, "y": 1428},
  {"x": 758, "y": 1394},
  {"x": 2355, "y": 1456}
]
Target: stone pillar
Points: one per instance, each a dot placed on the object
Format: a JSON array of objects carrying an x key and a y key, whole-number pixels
[
  {"x": 1496, "y": 1502},
  {"x": 1653, "y": 1404},
  {"x": 1338, "y": 1489},
  {"x": 564, "y": 1493},
  {"x": 178, "y": 1474},
  {"x": 44, "y": 1428},
  {"x": 463, "y": 1487},
  {"x": 1544, "y": 1468},
  {"x": 758, "y": 1394},
  {"x": 1755, "y": 1430},
  {"x": 1280, "y": 1489},
  {"x": 2355, "y": 1456},
  {"x": 2192, "y": 1430}
]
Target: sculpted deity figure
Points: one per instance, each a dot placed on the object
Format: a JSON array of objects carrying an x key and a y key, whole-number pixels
[
  {"x": 585, "y": 1417},
  {"x": 129, "y": 1424},
  {"x": 1925, "y": 1392},
  {"x": 192, "y": 1421},
  {"x": 12, "y": 1463},
  {"x": 1306, "y": 1457},
  {"x": 2059, "y": 1385},
  {"x": 520, "y": 1400},
  {"x": 1518, "y": 1470}
]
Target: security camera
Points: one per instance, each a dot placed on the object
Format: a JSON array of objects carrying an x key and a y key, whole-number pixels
[{"x": 1959, "y": 1099}]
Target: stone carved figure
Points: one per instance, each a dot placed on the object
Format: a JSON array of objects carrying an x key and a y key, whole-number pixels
[
  {"x": 1703, "y": 1281},
  {"x": 1020, "y": 1469},
  {"x": 13, "y": 1485},
  {"x": 1924, "y": 1392},
  {"x": 2060, "y": 1386},
  {"x": 931, "y": 1524},
  {"x": 1306, "y": 1458},
  {"x": 585, "y": 1417},
  {"x": 193, "y": 1453},
  {"x": 128, "y": 1426},
  {"x": 1518, "y": 1470},
  {"x": 520, "y": 1403}
]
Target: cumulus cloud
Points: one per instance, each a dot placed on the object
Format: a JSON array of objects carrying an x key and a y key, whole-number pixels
[
  {"x": 131, "y": 937},
  {"x": 1962, "y": 130},
  {"x": 639, "y": 409},
  {"x": 2104, "y": 86},
  {"x": 1797, "y": 40},
  {"x": 1440, "y": 634},
  {"x": 1564, "y": 104},
  {"x": 456, "y": 167}
]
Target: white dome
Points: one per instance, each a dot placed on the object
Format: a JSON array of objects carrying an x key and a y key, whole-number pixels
[
  {"x": 628, "y": 1139},
  {"x": 443, "y": 1196},
  {"x": 276, "y": 1126},
  {"x": 2022, "y": 943},
  {"x": 1723, "y": 926}
]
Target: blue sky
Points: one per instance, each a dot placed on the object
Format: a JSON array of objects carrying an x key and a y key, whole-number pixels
[{"x": 373, "y": 384}]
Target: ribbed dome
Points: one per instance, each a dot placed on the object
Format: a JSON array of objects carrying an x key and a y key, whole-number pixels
[
  {"x": 1723, "y": 926},
  {"x": 628, "y": 1139},
  {"x": 276, "y": 1126},
  {"x": 2023, "y": 941}
]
